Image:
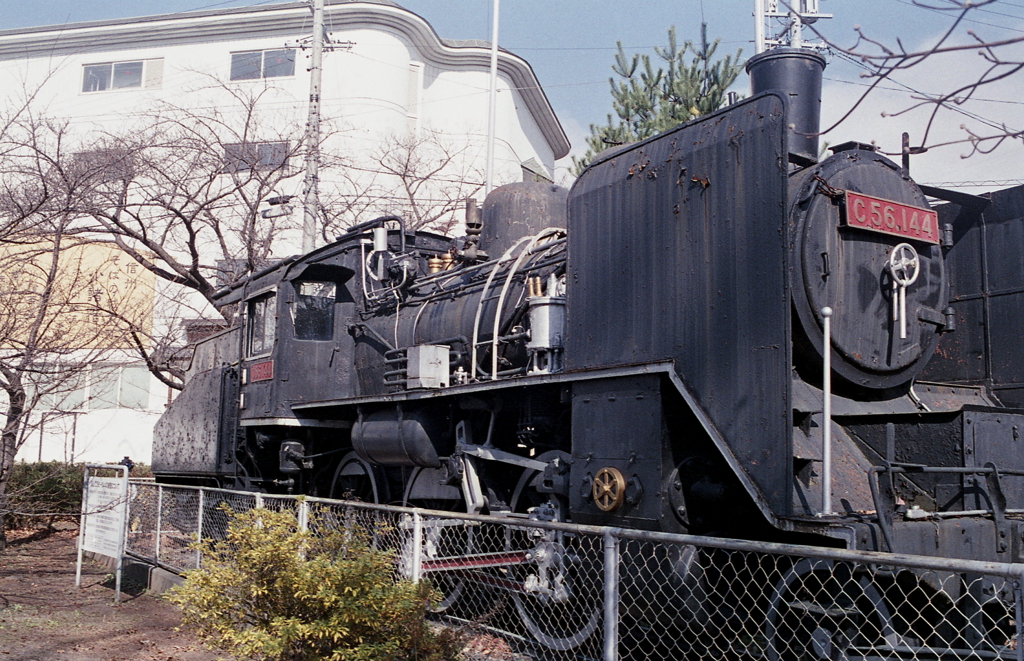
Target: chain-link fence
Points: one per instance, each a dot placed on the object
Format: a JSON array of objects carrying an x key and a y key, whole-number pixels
[{"x": 566, "y": 591}]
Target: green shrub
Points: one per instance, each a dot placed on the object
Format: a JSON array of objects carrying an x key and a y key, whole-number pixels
[
  {"x": 271, "y": 591},
  {"x": 42, "y": 493},
  {"x": 39, "y": 494}
]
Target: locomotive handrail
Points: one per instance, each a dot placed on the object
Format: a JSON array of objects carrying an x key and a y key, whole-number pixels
[
  {"x": 884, "y": 514},
  {"x": 377, "y": 222},
  {"x": 504, "y": 290},
  {"x": 531, "y": 245}
]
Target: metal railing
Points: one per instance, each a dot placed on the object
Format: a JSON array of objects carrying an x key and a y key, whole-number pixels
[{"x": 557, "y": 590}]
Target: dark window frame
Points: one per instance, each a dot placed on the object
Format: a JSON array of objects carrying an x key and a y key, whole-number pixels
[
  {"x": 313, "y": 314},
  {"x": 113, "y": 76},
  {"x": 261, "y": 316},
  {"x": 259, "y": 156},
  {"x": 272, "y": 63}
]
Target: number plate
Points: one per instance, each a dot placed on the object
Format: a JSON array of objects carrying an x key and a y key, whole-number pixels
[
  {"x": 261, "y": 371},
  {"x": 887, "y": 217}
]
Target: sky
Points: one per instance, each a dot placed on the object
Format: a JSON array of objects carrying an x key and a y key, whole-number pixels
[{"x": 571, "y": 46}]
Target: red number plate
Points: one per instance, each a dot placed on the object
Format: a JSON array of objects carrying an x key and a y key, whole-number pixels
[
  {"x": 261, "y": 371},
  {"x": 887, "y": 217}
]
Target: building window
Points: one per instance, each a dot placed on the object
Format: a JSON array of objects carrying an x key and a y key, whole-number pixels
[
  {"x": 261, "y": 320},
  {"x": 253, "y": 65},
  {"x": 104, "y": 165},
  {"x": 125, "y": 387},
  {"x": 255, "y": 156},
  {"x": 108, "y": 76},
  {"x": 313, "y": 312},
  {"x": 105, "y": 387}
]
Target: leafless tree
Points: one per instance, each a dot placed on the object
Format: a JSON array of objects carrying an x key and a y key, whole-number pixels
[
  {"x": 183, "y": 197},
  {"x": 181, "y": 193},
  {"x": 45, "y": 341},
  {"x": 427, "y": 177},
  {"x": 1000, "y": 59}
]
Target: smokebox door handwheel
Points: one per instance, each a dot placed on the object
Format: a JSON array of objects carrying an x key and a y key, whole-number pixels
[
  {"x": 609, "y": 489},
  {"x": 904, "y": 267}
]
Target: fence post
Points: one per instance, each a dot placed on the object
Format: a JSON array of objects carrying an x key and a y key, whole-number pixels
[
  {"x": 611, "y": 595},
  {"x": 417, "y": 546},
  {"x": 159, "y": 520},
  {"x": 1019, "y": 617},
  {"x": 199, "y": 530},
  {"x": 259, "y": 500},
  {"x": 303, "y": 515}
]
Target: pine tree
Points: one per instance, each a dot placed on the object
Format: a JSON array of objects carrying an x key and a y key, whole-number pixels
[{"x": 648, "y": 101}]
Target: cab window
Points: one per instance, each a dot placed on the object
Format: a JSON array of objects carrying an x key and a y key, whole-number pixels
[
  {"x": 313, "y": 312},
  {"x": 261, "y": 318}
]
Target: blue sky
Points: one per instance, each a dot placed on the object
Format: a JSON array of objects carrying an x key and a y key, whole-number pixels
[{"x": 571, "y": 44}]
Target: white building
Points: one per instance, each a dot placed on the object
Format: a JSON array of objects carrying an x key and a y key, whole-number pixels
[{"x": 388, "y": 76}]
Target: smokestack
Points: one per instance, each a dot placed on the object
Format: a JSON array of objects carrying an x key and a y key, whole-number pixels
[{"x": 796, "y": 73}]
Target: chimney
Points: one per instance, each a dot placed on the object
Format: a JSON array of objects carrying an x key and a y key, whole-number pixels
[{"x": 796, "y": 74}]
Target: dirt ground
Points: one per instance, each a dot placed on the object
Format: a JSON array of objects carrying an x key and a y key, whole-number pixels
[{"x": 44, "y": 616}]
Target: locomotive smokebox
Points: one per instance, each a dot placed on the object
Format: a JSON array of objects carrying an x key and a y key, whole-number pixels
[{"x": 796, "y": 72}]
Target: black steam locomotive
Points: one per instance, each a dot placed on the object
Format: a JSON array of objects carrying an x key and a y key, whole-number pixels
[{"x": 647, "y": 349}]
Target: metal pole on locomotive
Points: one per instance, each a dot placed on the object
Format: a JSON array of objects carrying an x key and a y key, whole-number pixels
[{"x": 492, "y": 101}]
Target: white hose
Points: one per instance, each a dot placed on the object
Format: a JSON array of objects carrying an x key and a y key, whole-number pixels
[{"x": 504, "y": 290}]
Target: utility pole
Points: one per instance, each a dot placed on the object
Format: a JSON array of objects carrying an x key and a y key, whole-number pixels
[
  {"x": 492, "y": 102},
  {"x": 788, "y": 21},
  {"x": 311, "y": 197}
]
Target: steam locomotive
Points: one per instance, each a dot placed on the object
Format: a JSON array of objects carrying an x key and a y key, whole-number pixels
[{"x": 647, "y": 350}]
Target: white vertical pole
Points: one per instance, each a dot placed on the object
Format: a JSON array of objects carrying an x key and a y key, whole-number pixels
[
  {"x": 81, "y": 527},
  {"x": 492, "y": 103},
  {"x": 611, "y": 596},
  {"x": 417, "y": 547},
  {"x": 758, "y": 26},
  {"x": 311, "y": 200},
  {"x": 199, "y": 530},
  {"x": 119, "y": 570},
  {"x": 826, "y": 450}
]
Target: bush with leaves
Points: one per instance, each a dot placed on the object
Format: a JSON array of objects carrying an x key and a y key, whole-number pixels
[
  {"x": 270, "y": 590},
  {"x": 41, "y": 493}
]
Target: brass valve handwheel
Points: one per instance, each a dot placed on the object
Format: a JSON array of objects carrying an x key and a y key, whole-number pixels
[{"x": 609, "y": 489}]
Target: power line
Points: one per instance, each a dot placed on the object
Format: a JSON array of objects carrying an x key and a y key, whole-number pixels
[
  {"x": 977, "y": 184},
  {"x": 969, "y": 20},
  {"x": 604, "y": 48},
  {"x": 896, "y": 89},
  {"x": 989, "y": 122}
]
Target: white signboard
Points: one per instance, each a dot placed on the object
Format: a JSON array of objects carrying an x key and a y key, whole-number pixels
[
  {"x": 104, "y": 515},
  {"x": 105, "y": 505}
]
